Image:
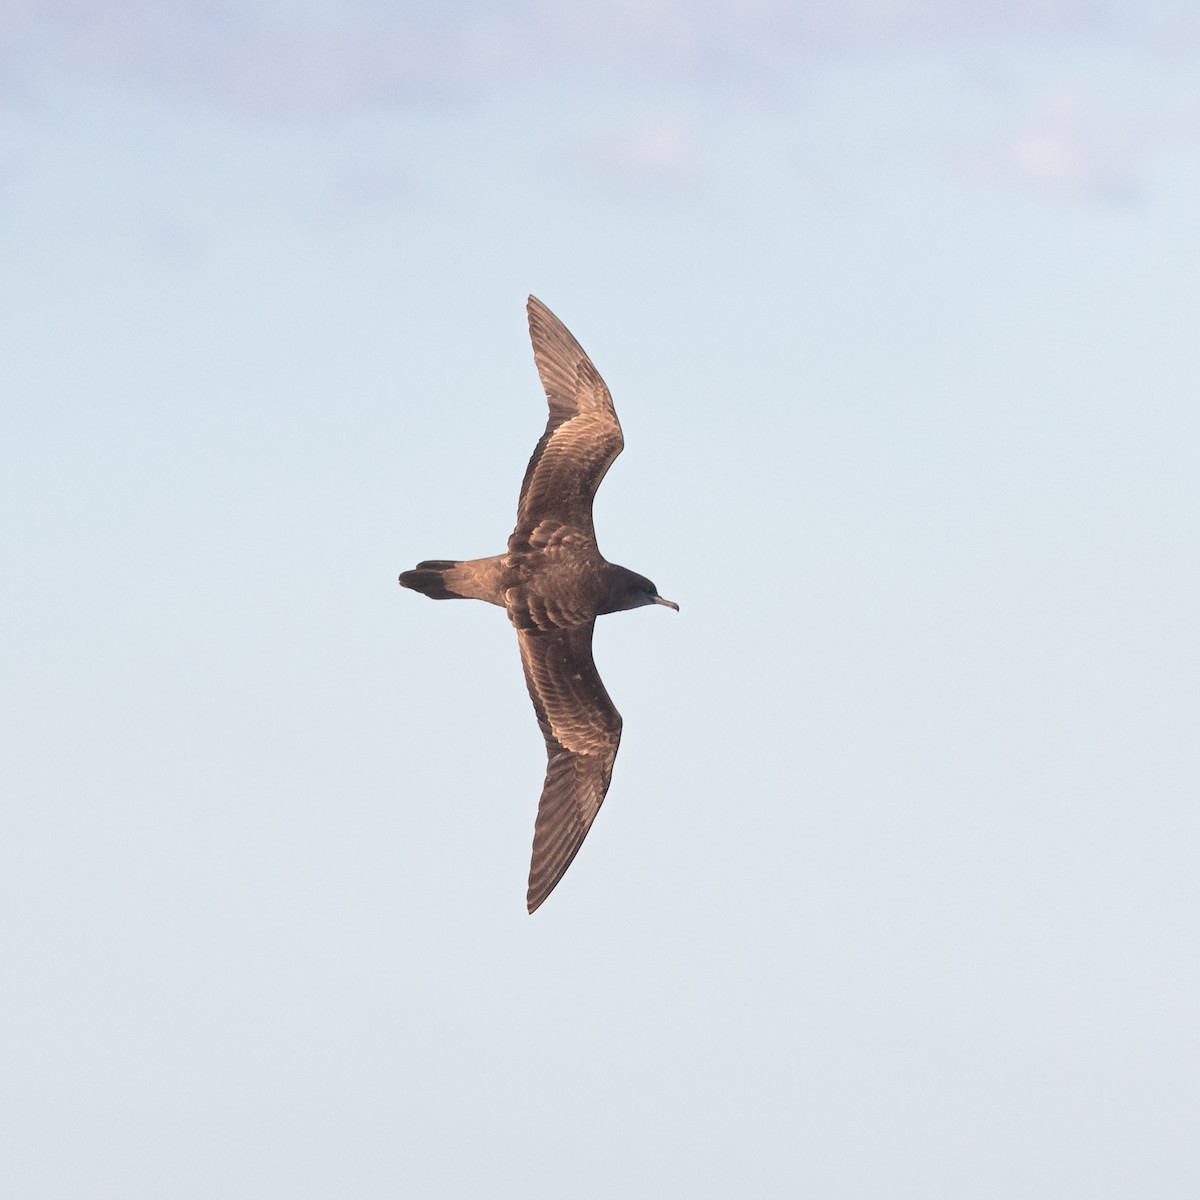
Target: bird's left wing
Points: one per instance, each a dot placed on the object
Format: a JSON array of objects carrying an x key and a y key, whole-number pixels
[
  {"x": 582, "y": 435},
  {"x": 582, "y": 729}
]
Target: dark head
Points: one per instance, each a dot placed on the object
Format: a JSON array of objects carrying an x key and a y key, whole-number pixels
[{"x": 630, "y": 590}]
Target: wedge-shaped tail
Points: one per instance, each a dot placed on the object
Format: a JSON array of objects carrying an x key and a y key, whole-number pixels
[
  {"x": 429, "y": 578},
  {"x": 446, "y": 579}
]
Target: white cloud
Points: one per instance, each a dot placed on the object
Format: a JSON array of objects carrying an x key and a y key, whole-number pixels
[
  {"x": 1065, "y": 146},
  {"x": 655, "y": 153}
]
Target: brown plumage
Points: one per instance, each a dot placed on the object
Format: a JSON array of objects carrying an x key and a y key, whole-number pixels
[{"x": 553, "y": 583}]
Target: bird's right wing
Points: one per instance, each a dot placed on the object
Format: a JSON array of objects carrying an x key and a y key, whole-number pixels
[
  {"x": 582, "y": 729},
  {"x": 582, "y": 435}
]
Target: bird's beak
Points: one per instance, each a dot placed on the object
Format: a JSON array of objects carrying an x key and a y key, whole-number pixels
[{"x": 668, "y": 603}]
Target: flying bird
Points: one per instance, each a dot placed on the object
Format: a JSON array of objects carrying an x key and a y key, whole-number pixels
[{"x": 553, "y": 583}]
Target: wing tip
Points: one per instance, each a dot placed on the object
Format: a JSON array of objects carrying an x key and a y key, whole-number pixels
[
  {"x": 544, "y": 878},
  {"x": 540, "y": 888},
  {"x": 539, "y": 892}
]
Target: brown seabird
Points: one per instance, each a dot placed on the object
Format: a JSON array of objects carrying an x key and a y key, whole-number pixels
[{"x": 554, "y": 583}]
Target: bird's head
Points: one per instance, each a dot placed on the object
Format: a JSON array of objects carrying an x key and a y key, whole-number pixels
[{"x": 632, "y": 591}]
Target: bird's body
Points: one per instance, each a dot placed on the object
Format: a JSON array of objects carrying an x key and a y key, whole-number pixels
[{"x": 553, "y": 583}]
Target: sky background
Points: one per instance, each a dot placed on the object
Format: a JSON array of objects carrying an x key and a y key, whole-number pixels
[{"x": 895, "y": 893}]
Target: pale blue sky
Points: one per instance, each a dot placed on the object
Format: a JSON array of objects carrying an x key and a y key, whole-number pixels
[{"x": 895, "y": 891}]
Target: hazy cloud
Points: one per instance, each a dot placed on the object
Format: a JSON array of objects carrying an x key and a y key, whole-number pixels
[
  {"x": 324, "y": 58},
  {"x": 1066, "y": 147},
  {"x": 658, "y": 153}
]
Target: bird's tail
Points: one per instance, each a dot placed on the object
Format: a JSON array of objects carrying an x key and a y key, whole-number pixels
[
  {"x": 429, "y": 578},
  {"x": 446, "y": 579}
]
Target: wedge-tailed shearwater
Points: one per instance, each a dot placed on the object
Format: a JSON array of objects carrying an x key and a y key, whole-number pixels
[{"x": 553, "y": 583}]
